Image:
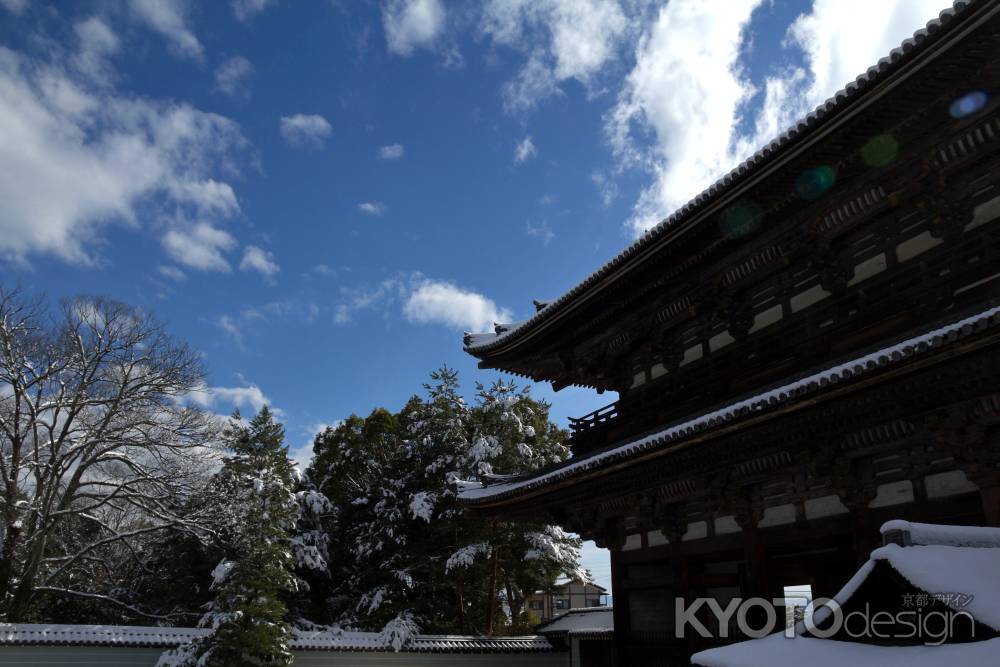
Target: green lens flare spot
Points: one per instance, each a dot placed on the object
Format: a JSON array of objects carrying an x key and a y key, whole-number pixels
[
  {"x": 741, "y": 219},
  {"x": 814, "y": 183},
  {"x": 880, "y": 150}
]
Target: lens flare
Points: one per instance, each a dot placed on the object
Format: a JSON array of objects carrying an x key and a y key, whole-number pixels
[
  {"x": 814, "y": 183},
  {"x": 968, "y": 104},
  {"x": 741, "y": 219},
  {"x": 880, "y": 150}
]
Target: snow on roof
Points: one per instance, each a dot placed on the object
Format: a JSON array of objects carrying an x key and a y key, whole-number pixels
[
  {"x": 935, "y": 568},
  {"x": 779, "y": 650},
  {"x": 843, "y": 372},
  {"x": 955, "y": 536},
  {"x": 877, "y": 73},
  {"x": 151, "y": 637},
  {"x": 582, "y": 620}
]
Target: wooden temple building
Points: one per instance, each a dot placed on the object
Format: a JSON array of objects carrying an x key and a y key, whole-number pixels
[{"x": 807, "y": 349}]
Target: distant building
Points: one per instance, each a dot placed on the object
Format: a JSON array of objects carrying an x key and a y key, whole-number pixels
[{"x": 566, "y": 596}]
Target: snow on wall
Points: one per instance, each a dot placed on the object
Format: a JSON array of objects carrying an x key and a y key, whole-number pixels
[
  {"x": 843, "y": 372},
  {"x": 27, "y": 634}
]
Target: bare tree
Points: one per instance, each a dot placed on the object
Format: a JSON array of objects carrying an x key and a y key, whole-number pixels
[{"x": 98, "y": 449}]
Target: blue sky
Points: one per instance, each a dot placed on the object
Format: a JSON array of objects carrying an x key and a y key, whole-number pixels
[{"x": 321, "y": 196}]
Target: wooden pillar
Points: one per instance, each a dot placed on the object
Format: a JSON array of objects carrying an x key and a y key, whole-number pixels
[
  {"x": 756, "y": 559},
  {"x": 991, "y": 504},
  {"x": 620, "y": 612},
  {"x": 612, "y": 537},
  {"x": 864, "y": 532},
  {"x": 857, "y": 488}
]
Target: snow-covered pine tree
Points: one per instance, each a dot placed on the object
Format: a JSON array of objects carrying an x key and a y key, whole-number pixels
[
  {"x": 248, "y": 614},
  {"x": 511, "y": 434},
  {"x": 408, "y": 548},
  {"x": 356, "y": 465}
]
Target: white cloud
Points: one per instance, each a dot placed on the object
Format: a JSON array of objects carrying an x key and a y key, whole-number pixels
[
  {"x": 324, "y": 270},
  {"x": 372, "y": 207},
  {"x": 540, "y": 230},
  {"x": 606, "y": 186},
  {"x": 689, "y": 90},
  {"x": 391, "y": 152},
  {"x": 97, "y": 44},
  {"x": 200, "y": 247},
  {"x": 839, "y": 47},
  {"x": 170, "y": 19},
  {"x": 231, "y": 326},
  {"x": 525, "y": 150},
  {"x": 246, "y": 397},
  {"x": 233, "y": 77},
  {"x": 564, "y": 39},
  {"x": 305, "y": 130},
  {"x": 14, "y": 6},
  {"x": 247, "y": 9},
  {"x": 411, "y": 24},
  {"x": 388, "y": 292},
  {"x": 439, "y": 302},
  {"x": 173, "y": 273},
  {"x": 106, "y": 155},
  {"x": 260, "y": 260},
  {"x": 422, "y": 301},
  {"x": 303, "y": 454}
]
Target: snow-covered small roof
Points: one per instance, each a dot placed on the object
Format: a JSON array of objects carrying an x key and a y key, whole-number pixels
[
  {"x": 943, "y": 569},
  {"x": 21, "y": 634},
  {"x": 788, "y": 392},
  {"x": 939, "y": 560},
  {"x": 807, "y": 651},
  {"x": 953, "y": 536},
  {"x": 583, "y": 620}
]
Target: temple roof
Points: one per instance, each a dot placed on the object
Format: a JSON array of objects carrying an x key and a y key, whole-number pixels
[
  {"x": 760, "y": 403},
  {"x": 749, "y": 171}
]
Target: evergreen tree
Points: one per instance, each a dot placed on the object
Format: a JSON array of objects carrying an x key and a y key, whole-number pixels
[
  {"x": 409, "y": 550},
  {"x": 248, "y": 614}
]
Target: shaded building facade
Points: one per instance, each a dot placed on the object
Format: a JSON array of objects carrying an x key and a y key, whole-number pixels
[
  {"x": 807, "y": 349},
  {"x": 568, "y": 595}
]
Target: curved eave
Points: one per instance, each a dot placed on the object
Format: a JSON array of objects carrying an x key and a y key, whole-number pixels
[
  {"x": 891, "y": 70},
  {"x": 929, "y": 348}
]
